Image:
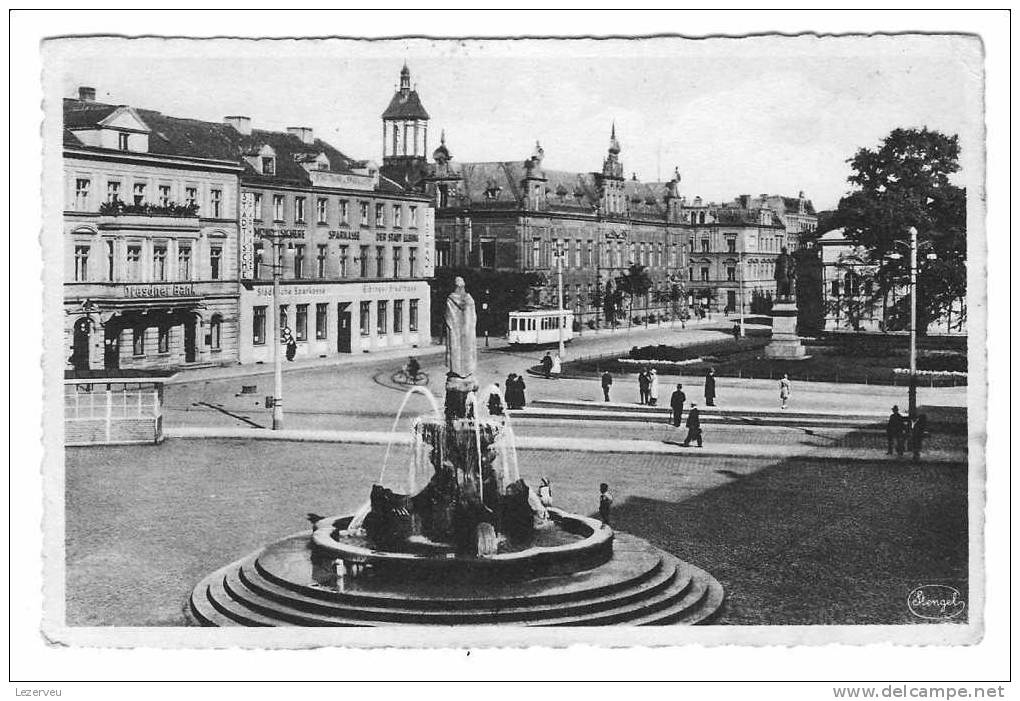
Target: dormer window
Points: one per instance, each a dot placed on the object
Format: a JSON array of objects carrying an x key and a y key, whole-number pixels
[
  {"x": 122, "y": 141},
  {"x": 268, "y": 165}
]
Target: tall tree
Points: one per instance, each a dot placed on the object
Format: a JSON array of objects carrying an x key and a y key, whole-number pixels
[
  {"x": 904, "y": 183},
  {"x": 636, "y": 282},
  {"x": 496, "y": 294}
]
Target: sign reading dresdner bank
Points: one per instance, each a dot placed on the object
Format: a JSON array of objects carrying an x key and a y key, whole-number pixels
[{"x": 160, "y": 289}]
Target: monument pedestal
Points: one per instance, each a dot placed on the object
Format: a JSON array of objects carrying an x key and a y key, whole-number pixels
[{"x": 785, "y": 342}]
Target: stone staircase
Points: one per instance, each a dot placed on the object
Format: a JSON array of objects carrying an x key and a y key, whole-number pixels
[{"x": 283, "y": 586}]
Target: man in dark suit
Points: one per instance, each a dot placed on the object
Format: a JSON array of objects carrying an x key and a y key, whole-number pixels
[
  {"x": 710, "y": 387},
  {"x": 676, "y": 403},
  {"x": 607, "y": 382},
  {"x": 895, "y": 430},
  {"x": 693, "y": 426}
]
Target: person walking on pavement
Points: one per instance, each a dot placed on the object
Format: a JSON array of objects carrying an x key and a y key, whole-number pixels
[
  {"x": 557, "y": 365},
  {"x": 607, "y": 383},
  {"x": 676, "y": 403},
  {"x": 736, "y": 333},
  {"x": 710, "y": 387},
  {"x": 917, "y": 432},
  {"x": 495, "y": 403},
  {"x": 653, "y": 387},
  {"x": 693, "y": 427},
  {"x": 894, "y": 429},
  {"x": 547, "y": 364},
  {"x": 642, "y": 381},
  {"x": 605, "y": 502},
  {"x": 519, "y": 399},
  {"x": 784, "y": 390}
]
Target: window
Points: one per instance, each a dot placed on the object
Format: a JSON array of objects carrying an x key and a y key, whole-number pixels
[
  {"x": 835, "y": 288},
  {"x": 299, "y": 209},
  {"x": 704, "y": 245},
  {"x": 363, "y": 318},
  {"x": 380, "y": 260},
  {"x": 139, "y": 193},
  {"x": 258, "y": 206},
  {"x": 397, "y": 213},
  {"x": 364, "y": 261},
  {"x": 343, "y": 213},
  {"x": 536, "y": 253},
  {"x": 701, "y": 217},
  {"x": 577, "y": 253},
  {"x": 412, "y": 261},
  {"x": 159, "y": 262},
  {"x": 320, "y": 321},
  {"x": 113, "y": 191},
  {"x": 731, "y": 274},
  {"x": 110, "y": 261},
  {"x": 301, "y": 322},
  {"x": 704, "y": 274},
  {"x": 412, "y": 214},
  {"x": 183, "y": 261},
  {"x": 82, "y": 186},
  {"x": 138, "y": 341},
  {"x": 283, "y": 318},
  {"x": 299, "y": 261},
  {"x": 268, "y": 165},
  {"x": 343, "y": 261},
  {"x": 216, "y": 195},
  {"x": 487, "y": 254},
  {"x": 164, "y": 195},
  {"x": 122, "y": 141},
  {"x": 364, "y": 213},
  {"x": 215, "y": 332},
  {"x": 412, "y": 315},
  {"x": 398, "y": 316},
  {"x": 589, "y": 258},
  {"x": 397, "y": 256},
  {"x": 380, "y": 317},
  {"x": 191, "y": 196},
  {"x": 258, "y": 326},
  {"x": 690, "y": 274},
  {"x": 320, "y": 261},
  {"x": 163, "y": 340},
  {"x": 380, "y": 215},
  {"x": 134, "y": 263},
  {"x": 731, "y": 245},
  {"x": 215, "y": 262},
  {"x": 442, "y": 254},
  {"x": 277, "y": 207},
  {"x": 320, "y": 210},
  {"x": 81, "y": 263},
  {"x": 257, "y": 263}
]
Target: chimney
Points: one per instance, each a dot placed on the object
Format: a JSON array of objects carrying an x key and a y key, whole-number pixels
[
  {"x": 86, "y": 94},
  {"x": 303, "y": 133},
  {"x": 745, "y": 201},
  {"x": 240, "y": 123}
]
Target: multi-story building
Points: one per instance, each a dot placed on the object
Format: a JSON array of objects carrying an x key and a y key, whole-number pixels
[
  {"x": 354, "y": 249},
  {"x": 150, "y": 232}
]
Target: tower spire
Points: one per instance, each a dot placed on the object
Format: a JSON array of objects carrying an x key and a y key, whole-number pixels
[{"x": 405, "y": 78}]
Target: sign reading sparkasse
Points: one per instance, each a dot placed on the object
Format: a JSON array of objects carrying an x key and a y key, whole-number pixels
[{"x": 160, "y": 289}]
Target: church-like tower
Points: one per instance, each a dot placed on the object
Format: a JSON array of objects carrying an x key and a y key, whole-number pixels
[
  {"x": 405, "y": 125},
  {"x": 612, "y": 203}
]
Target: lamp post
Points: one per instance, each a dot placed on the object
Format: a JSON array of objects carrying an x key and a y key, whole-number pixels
[
  {"x": 277, "y": 360},
  {"x": 559, "y": 286},
  {"x": 912, "y": 387},
  {"x": 740, "y": 263}
]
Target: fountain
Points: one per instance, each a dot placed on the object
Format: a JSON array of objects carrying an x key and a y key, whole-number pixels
[{"x": 474, "y": 545}]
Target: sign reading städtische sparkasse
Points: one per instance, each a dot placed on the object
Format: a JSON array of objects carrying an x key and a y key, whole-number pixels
[
  {"x": 246, "y": 247},
  {"x": 429, "y": 242},
  {"x": 160, "y": 289}
]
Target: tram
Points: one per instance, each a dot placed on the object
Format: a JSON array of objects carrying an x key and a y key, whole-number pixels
[{"x": 535, "y": 327}]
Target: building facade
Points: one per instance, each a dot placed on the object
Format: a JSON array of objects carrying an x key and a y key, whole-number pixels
[{"x": 150, "y": 233}]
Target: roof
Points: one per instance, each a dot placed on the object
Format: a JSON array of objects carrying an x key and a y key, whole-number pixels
[
  {"x": 291, "y": 152},
  {"x": 405, "y": 105}
]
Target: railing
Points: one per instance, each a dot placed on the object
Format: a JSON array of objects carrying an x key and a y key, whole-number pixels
[{"x": 112, "y": 416}]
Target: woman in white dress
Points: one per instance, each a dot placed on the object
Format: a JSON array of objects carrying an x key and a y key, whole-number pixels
[{"x": 784, "y": 390}]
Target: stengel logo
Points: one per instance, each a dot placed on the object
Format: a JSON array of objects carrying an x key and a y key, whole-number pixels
[{"x": 936, "y": 602}]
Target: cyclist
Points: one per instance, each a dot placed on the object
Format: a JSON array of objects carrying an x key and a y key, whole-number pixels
[{"x": 413, "y": 367}]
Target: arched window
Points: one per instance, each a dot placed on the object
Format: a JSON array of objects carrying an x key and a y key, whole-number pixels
[
  {"x": 701, "y": 217},
  {"x": 215, "y": 332}
]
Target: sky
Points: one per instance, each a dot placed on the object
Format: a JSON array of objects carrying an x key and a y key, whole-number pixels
[{"x": 736, "y": 116}]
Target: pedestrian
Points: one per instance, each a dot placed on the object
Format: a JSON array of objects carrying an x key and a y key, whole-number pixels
[
  {"x": 693, "y": 427},
  {"x": 288, "y": 339},
  {"x": 510, "y": 391},
  {"x": 557, "y": 365},
  {"x": 676, "y": 403},
  {"x": 894, "y": 430},
  {"x": 495, "y": 402},
  {"x": 642, "y": 381},
  {"x": 545, "y": 492},
  {"x": 605, "y": 502},
  {"x": 917, "y": 435},
  {"x": 710, "y": 387},
  {"x": 519, "y": 388},
  {"x": 736, "y": 333},
  {"x": 653, "y": 387},
  {"x": 784, "y": 390},
  {"x": 547, "y": 364},
  {"x": 607, "y": 383}
]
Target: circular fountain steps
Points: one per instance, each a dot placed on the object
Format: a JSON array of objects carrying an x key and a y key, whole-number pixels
[{"x": 640, "y": 585}]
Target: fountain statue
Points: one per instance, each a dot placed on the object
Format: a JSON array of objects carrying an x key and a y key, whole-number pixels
[{"x": 785, "y": 343}]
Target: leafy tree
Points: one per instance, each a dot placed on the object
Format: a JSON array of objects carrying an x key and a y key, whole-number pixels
[
  {"x": 498, "y": 292},
  {"x": 636, "y": 282},
  {"x": 904, "y": 183}
]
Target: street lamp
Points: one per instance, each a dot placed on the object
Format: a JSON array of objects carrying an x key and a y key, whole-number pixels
[
  {"x": 740, "y": 263},
  {"x": 559, "y": 285}
]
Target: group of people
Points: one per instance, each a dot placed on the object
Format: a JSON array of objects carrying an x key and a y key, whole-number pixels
[
  {"x": 904, "y": 432},
  {"x": 551, "y": 365},
  {"x": 648, "y": 387},
  {"x": 511, "y": 397}
]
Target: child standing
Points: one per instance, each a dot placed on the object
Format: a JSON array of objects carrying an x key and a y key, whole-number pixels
[{"x": 605, "y": 502}]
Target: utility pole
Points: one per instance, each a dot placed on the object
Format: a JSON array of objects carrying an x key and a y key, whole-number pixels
[
  {"x": 559, "y": 284},
  {"x": 277, "y": 360},
  {"x": 740, "y": 262},
  {"x": 912, "y": 388}
]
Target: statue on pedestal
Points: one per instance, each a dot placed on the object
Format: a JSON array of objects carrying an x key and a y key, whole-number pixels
[
  {"x": 785, "y": 276},
  {"x": 461, "y": 349}
]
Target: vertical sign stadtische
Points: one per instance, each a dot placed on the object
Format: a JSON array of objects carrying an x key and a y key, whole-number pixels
[{"x": 246, "y": 246}]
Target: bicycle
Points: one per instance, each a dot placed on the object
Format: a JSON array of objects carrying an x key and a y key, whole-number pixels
[{"x": 403, "y": 377}]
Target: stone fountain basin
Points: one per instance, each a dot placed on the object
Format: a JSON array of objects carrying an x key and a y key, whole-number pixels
[{"x": 591, "y": 546}]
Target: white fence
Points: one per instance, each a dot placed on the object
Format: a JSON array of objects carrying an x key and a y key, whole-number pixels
[{"x": 95, "y": 414}]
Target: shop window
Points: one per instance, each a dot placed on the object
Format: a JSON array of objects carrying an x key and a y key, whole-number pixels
[
  {"x": 183, "y": 262},
  {"x": 217, "y": 202},
  {"x": 301, "y": 322},
  {"x": 163, "y": 340},
  {"x": 139, "y": 193},
  {"x": 412, "y": 261},
  {"x": 320, "y": 210},
  {"x": 398, "y": 316},
  {"x": 277, "y": 207},
  {"x": 320, "y": 261},
  {"x": 216, "y": 262},
  {"x": 81, "y": 263},
  {"x": 412, "y": 315},
  {"x": 364, "y": 321},
  {"x": 258, "y": 326},
  {"x": 364, "y": 260},
  {"x": 138, "y": 341},
  {"x": 159, "y": 263},
  {"x": 380, "y": 317},
  {"x": 320, "y": 321},
  {"x": 299, "y": 209},
  {"x": 216, "y": 332},
  {"x": 82, "y": 187}
]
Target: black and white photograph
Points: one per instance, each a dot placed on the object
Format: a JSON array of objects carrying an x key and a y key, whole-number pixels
[{"x": 443, "y": 342}]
